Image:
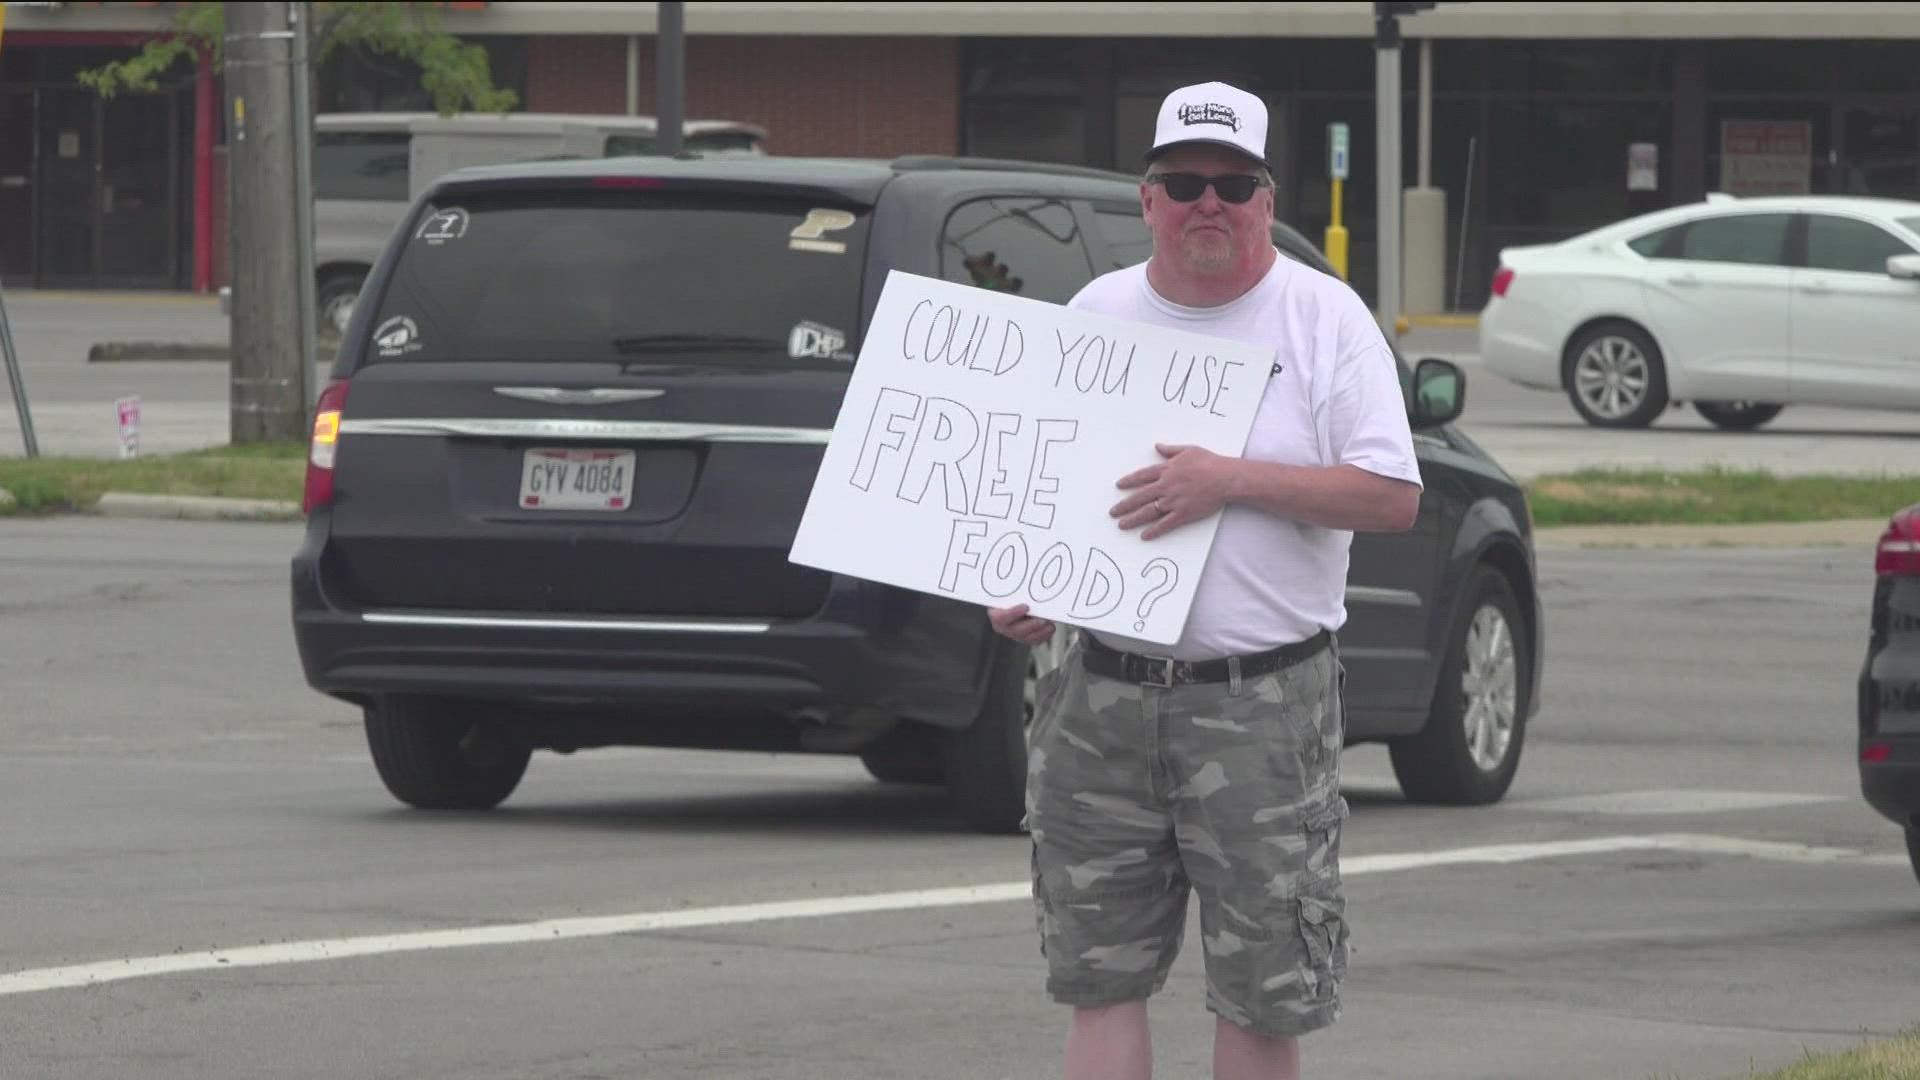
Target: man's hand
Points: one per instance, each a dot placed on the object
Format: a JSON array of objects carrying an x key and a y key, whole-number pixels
[
  {"x": 1191, "y": 485},
  {"x": 1014, "y": 622}
]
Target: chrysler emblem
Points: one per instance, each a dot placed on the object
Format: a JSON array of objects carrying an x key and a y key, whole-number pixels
[{"x": 554, "y": 395}]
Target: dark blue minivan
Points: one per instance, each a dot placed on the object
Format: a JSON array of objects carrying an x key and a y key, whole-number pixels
[{"x": 576, "y": 417}]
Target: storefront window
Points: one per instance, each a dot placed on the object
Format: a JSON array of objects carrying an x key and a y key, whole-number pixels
[
  {"x": 1877, "y": 65},
  {"x": 1015, "y": 67},
  {"x": 1770, "y": 67},
  {"x": 1332, "y": 65},
  {"x": 1555, "y": 168},
  {"x": 358, "y": 80},
  {"x": 1027, "y": 129},
  {"x": 1546, "y": 67}
]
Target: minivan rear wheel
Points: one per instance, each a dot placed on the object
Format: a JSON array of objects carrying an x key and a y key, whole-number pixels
[
  {"x": 906, "y": 755},
  {"x": 986, "y": 762},
  {"x": 437, "y": 754}
]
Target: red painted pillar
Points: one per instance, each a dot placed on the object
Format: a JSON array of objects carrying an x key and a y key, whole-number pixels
[{"x": 205, "y": 117}]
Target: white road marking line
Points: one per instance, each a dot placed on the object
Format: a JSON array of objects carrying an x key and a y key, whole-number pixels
[
  {"x": 1669, "y": 801},
  {"x": 305, "y": 952}
]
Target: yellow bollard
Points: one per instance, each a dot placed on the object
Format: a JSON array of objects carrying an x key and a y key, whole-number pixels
[{"x": 1336, "y": 245}]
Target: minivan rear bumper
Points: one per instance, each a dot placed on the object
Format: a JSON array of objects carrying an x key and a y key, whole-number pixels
[
  {"x": 1892, "y": 787},
  {"x": 869, "y": 647}
]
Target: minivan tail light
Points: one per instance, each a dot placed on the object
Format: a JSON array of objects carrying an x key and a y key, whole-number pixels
[
  {"x": 1899, "y": 552},
  {"x": 321, "y": 450},
  {"x": 1502, "y": 279}
]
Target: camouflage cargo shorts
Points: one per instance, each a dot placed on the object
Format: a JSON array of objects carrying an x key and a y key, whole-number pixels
[{"x": 1137, "y": 796}]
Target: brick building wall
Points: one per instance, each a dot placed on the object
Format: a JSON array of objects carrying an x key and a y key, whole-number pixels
[{"x": 836, "y": 96}]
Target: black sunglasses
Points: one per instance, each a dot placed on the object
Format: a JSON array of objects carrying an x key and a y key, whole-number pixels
[{"x": 1188, "y": 187}]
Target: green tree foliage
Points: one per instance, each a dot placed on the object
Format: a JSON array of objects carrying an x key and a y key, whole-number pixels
[{"x": 453, "y": 71}]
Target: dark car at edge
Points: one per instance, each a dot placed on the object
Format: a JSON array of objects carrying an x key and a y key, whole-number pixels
[
  {"x": 1890, "y": 682},
  {"x": 572, "y": 427}
]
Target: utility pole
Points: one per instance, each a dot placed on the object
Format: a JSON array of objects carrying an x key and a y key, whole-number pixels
[
  {"x": 1388, "y": 178},
  {"x": 266, "y": 388},
  {"x": 15, "y": 384},
  {"x": 670, "y": 76},
  {"x": 1391, "y": 179},
  {"x": 301, "y": 12}
]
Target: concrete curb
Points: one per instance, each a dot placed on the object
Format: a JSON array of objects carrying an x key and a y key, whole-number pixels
[
  {"x": 194, "y": 508},
  {"x": 1848, "y": 532},
  {"x": 116, "y": 352},
  {"x": 108, "y": 352}
]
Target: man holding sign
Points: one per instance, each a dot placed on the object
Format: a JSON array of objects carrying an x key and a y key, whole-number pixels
[{"x": 1211, "y": 765}]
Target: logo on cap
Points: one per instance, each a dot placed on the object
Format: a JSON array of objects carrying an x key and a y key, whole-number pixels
[{"x": 1210, "y": 113}]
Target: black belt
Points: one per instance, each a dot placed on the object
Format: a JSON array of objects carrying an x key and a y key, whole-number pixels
[{"x": 1102, "y": 659}]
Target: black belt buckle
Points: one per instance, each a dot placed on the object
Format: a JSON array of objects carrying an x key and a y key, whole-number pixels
[{"x": 1157, "y": 671}]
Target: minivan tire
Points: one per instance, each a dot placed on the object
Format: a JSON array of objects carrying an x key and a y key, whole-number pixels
[
  {"x": 434, "y": 754},
  {"x": 986, "y": 761},
  {"x": 1437, "y": 765}
]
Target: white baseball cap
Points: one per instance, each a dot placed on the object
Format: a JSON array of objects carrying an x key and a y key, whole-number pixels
[{"x": 1212, "y": 113}]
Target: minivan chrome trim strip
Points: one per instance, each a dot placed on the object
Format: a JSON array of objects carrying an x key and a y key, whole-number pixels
[
  {"x": 557, "y": 395},
  {"x": 587, "y": 430},
  {"x": 1370, "y": 594},
  {"x": 498, "y": 622}
]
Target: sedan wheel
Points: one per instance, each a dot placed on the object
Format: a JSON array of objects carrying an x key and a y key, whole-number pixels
[
  {"x": 1470, "y": 748},
  {"x": 1615, "y": 377}
]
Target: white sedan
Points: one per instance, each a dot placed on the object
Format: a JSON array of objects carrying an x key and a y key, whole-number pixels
[{"x": 1739, "y": 306}]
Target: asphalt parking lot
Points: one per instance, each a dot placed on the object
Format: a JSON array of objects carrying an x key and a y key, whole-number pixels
[{"x": 1682, "y": 882}]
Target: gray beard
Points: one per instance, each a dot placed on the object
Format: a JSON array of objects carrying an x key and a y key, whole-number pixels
[{"x": 1205, "y": 256}]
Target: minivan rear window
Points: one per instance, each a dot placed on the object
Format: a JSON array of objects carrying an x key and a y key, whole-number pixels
[{"x": 627, "y": 274}]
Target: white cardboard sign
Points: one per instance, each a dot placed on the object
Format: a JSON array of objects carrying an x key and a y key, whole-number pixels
[{"x": 978, "y": 447}]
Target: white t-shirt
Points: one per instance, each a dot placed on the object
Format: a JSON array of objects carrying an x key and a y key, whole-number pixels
[{"x": 1334, "y": 398}]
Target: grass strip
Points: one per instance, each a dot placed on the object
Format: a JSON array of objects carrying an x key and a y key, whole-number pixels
[
  {"x": 1712, "y": 496},
  {"x": 58, "y": 484}
]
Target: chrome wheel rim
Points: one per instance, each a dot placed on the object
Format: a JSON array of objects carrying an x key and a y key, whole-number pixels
[
  {"x": 1611, "y": 376},
  {"x": 1490, "y": 683},
  {"x": 338, "y": 313}
]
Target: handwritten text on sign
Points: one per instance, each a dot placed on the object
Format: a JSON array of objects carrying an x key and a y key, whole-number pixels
[{"x": 976, "y": 452}]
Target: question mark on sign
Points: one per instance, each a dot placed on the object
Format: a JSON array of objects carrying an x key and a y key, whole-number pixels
[{"x": 1168, "y": 574}]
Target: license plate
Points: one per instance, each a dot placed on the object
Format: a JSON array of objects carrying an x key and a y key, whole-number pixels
[{"x": 576, "y": 479}]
